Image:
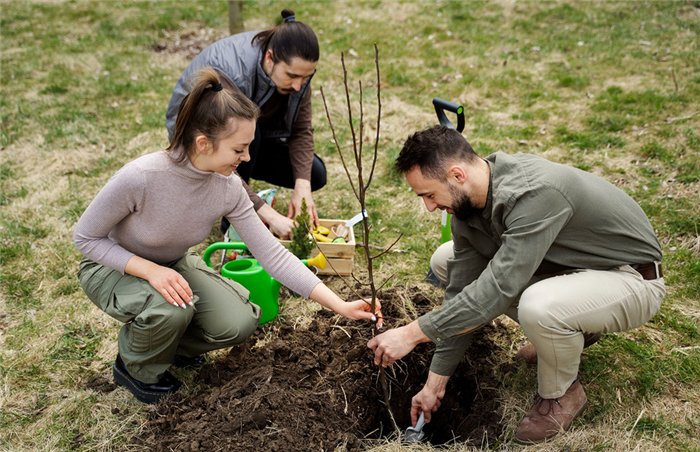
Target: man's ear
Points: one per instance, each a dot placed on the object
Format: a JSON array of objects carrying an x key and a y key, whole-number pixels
[
  {"x": 202, "y": 143},
  {"x": 457, "y": 173},
  {"x": 269, "y": 56}
]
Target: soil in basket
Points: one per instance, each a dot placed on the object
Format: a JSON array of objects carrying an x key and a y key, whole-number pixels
[{"x": 316, "y": 388}]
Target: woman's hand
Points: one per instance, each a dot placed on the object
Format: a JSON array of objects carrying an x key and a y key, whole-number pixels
[
  {"x": 166, "y": 281},
  {"x": 172, "y": 286},
  {"x": 354, "y": 310},
  {"x": 359, "y": 309},
  {"x": 280, "y": 225}
]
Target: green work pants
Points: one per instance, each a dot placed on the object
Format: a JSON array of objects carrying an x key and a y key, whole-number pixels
[{"x": 154, "y": 330}]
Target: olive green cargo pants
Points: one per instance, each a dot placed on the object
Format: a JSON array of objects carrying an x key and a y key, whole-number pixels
[{"x": 155, "y": 331}]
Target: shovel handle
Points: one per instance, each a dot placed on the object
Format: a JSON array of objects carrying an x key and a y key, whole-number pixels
[{"x": 441, "y": 105}]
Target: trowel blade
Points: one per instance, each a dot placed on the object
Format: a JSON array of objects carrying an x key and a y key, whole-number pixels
[
  {"x": 416, "y": 434},
  {"x": 413, "y": 436}
]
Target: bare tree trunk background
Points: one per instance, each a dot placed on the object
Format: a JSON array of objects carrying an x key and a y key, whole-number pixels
[{"x": 235, "y": 16}]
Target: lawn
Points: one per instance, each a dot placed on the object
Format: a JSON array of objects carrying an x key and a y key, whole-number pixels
[{"x": 609, "y": 87}]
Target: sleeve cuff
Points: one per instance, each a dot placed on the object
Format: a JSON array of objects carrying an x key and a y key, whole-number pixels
[
  {"x": 258, "y": 202},
  {"x": 442, "y": 367},
  {"x": 426, "y": 325},
  {"x": 449, "y": 354}
]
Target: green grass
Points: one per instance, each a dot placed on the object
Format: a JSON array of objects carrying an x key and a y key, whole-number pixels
[
  {"x": 609, "y": 87},
  {"x": 78, "y": 341}
]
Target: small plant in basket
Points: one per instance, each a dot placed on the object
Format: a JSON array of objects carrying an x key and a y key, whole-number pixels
[{"x": 302, "y": 244}]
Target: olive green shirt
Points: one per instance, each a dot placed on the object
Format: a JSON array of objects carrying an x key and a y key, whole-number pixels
[{"x": 539, "y": 215}]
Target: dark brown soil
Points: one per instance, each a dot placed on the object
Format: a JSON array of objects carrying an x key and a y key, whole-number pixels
[{"x": 316, "y": 388}]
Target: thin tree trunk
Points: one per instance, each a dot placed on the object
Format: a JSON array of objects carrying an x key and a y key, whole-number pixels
[
  {"x": 359, "y": 187},
  {"x": 235, "y": 16}
]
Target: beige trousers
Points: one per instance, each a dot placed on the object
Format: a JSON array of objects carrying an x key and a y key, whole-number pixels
[{"x": 555, "y": 310}]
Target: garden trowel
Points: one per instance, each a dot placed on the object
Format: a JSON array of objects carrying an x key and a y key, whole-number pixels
[{"x": 415, "y": 434}]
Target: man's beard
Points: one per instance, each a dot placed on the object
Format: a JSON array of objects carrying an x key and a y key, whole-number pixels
[{"x": 462, "y": 206}]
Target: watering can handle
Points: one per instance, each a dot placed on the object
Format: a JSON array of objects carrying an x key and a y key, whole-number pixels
[
  {"x": 222, "y": 246},
  {"x": 441, "y": 105},
  {"x": 318, "y": 261}
]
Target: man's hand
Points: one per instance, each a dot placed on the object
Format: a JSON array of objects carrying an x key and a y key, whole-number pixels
[
  {"x": 428, "y": 399},
  {"x": 278, "y": 223},
  {"x": 397, "y": 343},
  {"x": 302, "y": 190}
]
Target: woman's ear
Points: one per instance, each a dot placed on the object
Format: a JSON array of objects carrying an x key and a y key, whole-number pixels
[{"x": 202, "y": 143}]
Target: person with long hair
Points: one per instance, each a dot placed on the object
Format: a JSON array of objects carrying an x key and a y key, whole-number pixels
[
  {"x": 136, "y": 234},
  {"x": 273, "y": 68}
]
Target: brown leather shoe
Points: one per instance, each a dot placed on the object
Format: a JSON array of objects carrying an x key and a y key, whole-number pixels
[
  {"x": 551, "y": 416},
  {"x": 528, "y": 354}
]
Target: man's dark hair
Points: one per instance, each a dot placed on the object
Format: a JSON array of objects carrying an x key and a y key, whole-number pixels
[
  {"x": 432, "y": 150},
  {"x": 288, "y": 40}
]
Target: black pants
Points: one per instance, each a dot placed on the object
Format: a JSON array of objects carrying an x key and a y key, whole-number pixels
[{"x": 270, "y": 162}]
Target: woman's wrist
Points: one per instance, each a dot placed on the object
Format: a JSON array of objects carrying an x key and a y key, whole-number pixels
[{"x": 324, "y": 296}]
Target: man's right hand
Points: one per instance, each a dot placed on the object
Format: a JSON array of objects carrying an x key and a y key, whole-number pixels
[
  {"x": 278, "y": 223},
  {"x": 428, "y": 399}
]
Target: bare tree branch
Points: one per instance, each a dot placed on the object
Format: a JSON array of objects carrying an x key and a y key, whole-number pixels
[
  {"x": 386, "y": 281},
  {"x": 390, "y": 247},
  {"x": 337, "y": 145},
  {"x": 362, "y": 123},
  {"x": 379, "y": 115},
  {"x": 358, "y": 163},
  {"x": 357, "y": 280}
]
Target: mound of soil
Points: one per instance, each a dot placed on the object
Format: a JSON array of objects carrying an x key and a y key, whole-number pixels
[{"x": 316, "y": 388}]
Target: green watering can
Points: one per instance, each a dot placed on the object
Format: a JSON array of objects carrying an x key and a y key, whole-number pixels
[{"x": 264, "y": 289}]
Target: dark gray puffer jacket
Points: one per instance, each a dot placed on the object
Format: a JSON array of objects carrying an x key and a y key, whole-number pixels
[{"x": 240, "y": 61}]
